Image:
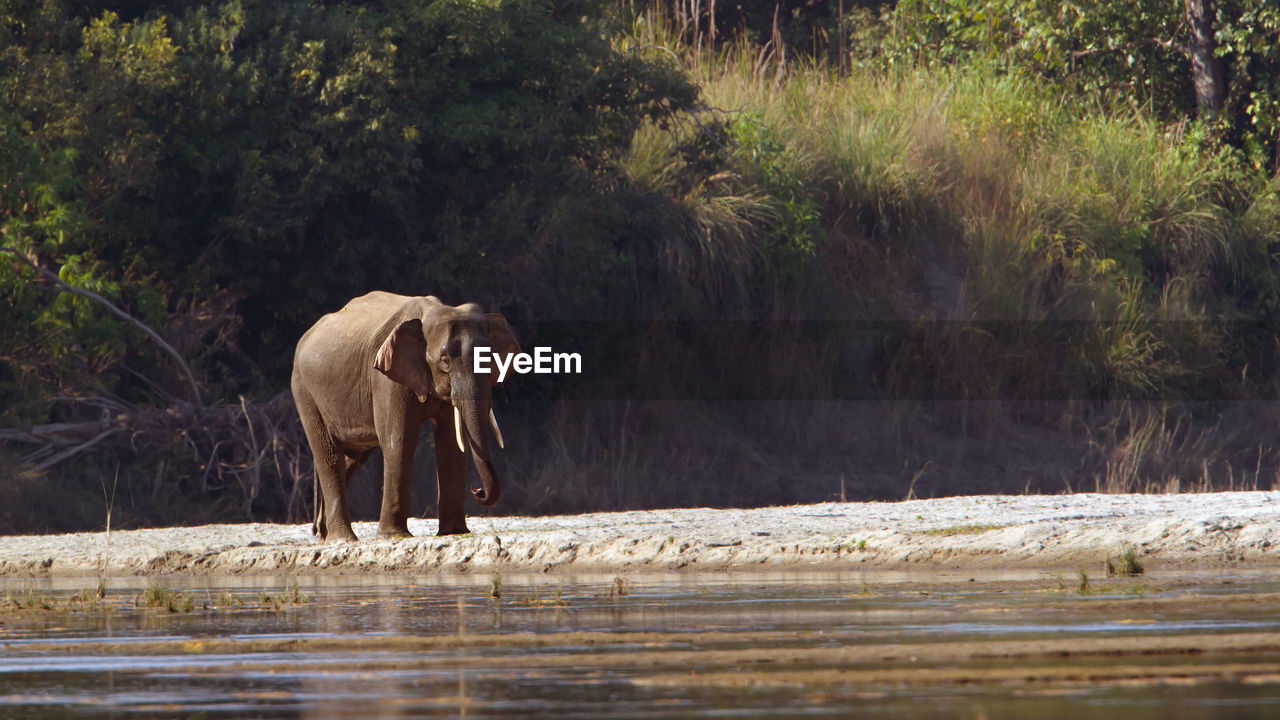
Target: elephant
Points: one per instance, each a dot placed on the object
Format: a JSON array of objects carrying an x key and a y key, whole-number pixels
[{"x": 369, "y": 375}]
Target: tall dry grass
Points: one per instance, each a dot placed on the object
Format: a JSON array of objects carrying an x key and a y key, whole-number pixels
[{"x": 1073, "y": 283}]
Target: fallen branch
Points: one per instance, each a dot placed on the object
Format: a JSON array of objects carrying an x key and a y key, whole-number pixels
[
  {"x": 186, "y": 369},
  {"x": 227, "y": 452},
  {"x": 77, "y": 449}
]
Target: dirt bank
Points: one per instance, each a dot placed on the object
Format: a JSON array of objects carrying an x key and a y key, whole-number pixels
[{"x": 1066, "y": 531}]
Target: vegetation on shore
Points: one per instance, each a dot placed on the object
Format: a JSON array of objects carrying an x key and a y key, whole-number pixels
[
  {"x": 154, "y": 597},
  {"x": 927, "y": 247}
]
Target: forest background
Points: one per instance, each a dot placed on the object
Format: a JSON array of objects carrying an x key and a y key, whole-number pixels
[{"x": 808, "y": 250}]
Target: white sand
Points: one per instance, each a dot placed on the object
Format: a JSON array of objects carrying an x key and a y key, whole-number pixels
[{"x": 1037, "y": 531}]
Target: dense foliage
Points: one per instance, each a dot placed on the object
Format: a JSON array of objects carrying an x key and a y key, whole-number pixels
[
  {"x": 1011, "y": 200},
  {"x": 253, "y": 163},
  {"x": 1135, "y": 51}
]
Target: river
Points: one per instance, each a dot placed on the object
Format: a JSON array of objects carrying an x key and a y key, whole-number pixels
[{"x": 917, "y": 644}]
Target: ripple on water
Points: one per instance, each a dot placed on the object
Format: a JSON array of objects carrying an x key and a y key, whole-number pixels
[{"x": 723, "y": 645}]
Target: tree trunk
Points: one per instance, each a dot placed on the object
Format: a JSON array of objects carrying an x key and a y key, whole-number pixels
[{"x": 1206, "y": 70}]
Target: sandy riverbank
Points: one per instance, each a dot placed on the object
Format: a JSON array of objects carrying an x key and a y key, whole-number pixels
[{"x": 1064, "y": 531}]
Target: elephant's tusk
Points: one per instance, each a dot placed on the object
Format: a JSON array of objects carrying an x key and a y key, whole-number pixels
[
  {"x": 457, "y": 428},
  {"x": 497, "y": 431}
]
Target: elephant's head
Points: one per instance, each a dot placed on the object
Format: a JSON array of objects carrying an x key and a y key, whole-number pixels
[{"x": 433, "y": 355}]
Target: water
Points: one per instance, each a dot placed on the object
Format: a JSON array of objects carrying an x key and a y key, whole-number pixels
[{"x": 927, "y": 645}]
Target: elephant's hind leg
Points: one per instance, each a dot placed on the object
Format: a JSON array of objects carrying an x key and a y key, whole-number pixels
[{"x": 332, "y": 520}]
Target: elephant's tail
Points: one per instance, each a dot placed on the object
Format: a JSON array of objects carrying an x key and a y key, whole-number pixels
[{"x": 317, "y": 506}]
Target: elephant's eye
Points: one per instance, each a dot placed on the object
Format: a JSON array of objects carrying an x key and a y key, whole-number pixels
[{"x": 445, "y": 362}]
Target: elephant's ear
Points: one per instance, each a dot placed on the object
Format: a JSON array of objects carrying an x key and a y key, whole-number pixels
[
  {"x": 499, "y": 332},
  {"x": 403, "y": 358}
]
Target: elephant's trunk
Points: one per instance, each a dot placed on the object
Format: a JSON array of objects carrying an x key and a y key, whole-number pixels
[{"x": 474, "y": 408}]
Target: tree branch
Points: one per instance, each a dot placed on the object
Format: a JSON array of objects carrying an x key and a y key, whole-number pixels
[
  {"x": 1166, "y": 44},
  {"x": 186, "y": 369}
]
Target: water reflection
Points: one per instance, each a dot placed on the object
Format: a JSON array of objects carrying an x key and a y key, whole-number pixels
[{"x": 683, "y": 646}]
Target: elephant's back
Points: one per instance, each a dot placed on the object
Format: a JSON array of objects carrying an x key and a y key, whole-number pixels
[
  {"x": 369, "y": 311},
  {"x": 339, "y": 335},
  {"x": 378, "y": 307},
  {"x": 378, "y": 301},
  {"x": 351, "y": 332}
]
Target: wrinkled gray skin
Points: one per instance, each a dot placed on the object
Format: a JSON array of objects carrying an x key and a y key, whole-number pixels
[{"x": 369, "y": 375}]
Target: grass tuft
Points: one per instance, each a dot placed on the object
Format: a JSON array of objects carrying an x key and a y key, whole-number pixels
[
  {"x": 536, "y": 599},
  {"x": 28, "y": 600},
  {"x": 1125, "y": 564},
  {"x": 292, "y": 596},
  {"x": 620, "y": 588},
  {"x": 86, "y": 600},
  {"x": 173, "y": 601}
]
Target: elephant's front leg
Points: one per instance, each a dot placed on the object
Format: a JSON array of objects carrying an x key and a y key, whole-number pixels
[
  {"x": 397, "y": 482},
  {"x": 451, "y": 478}
]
